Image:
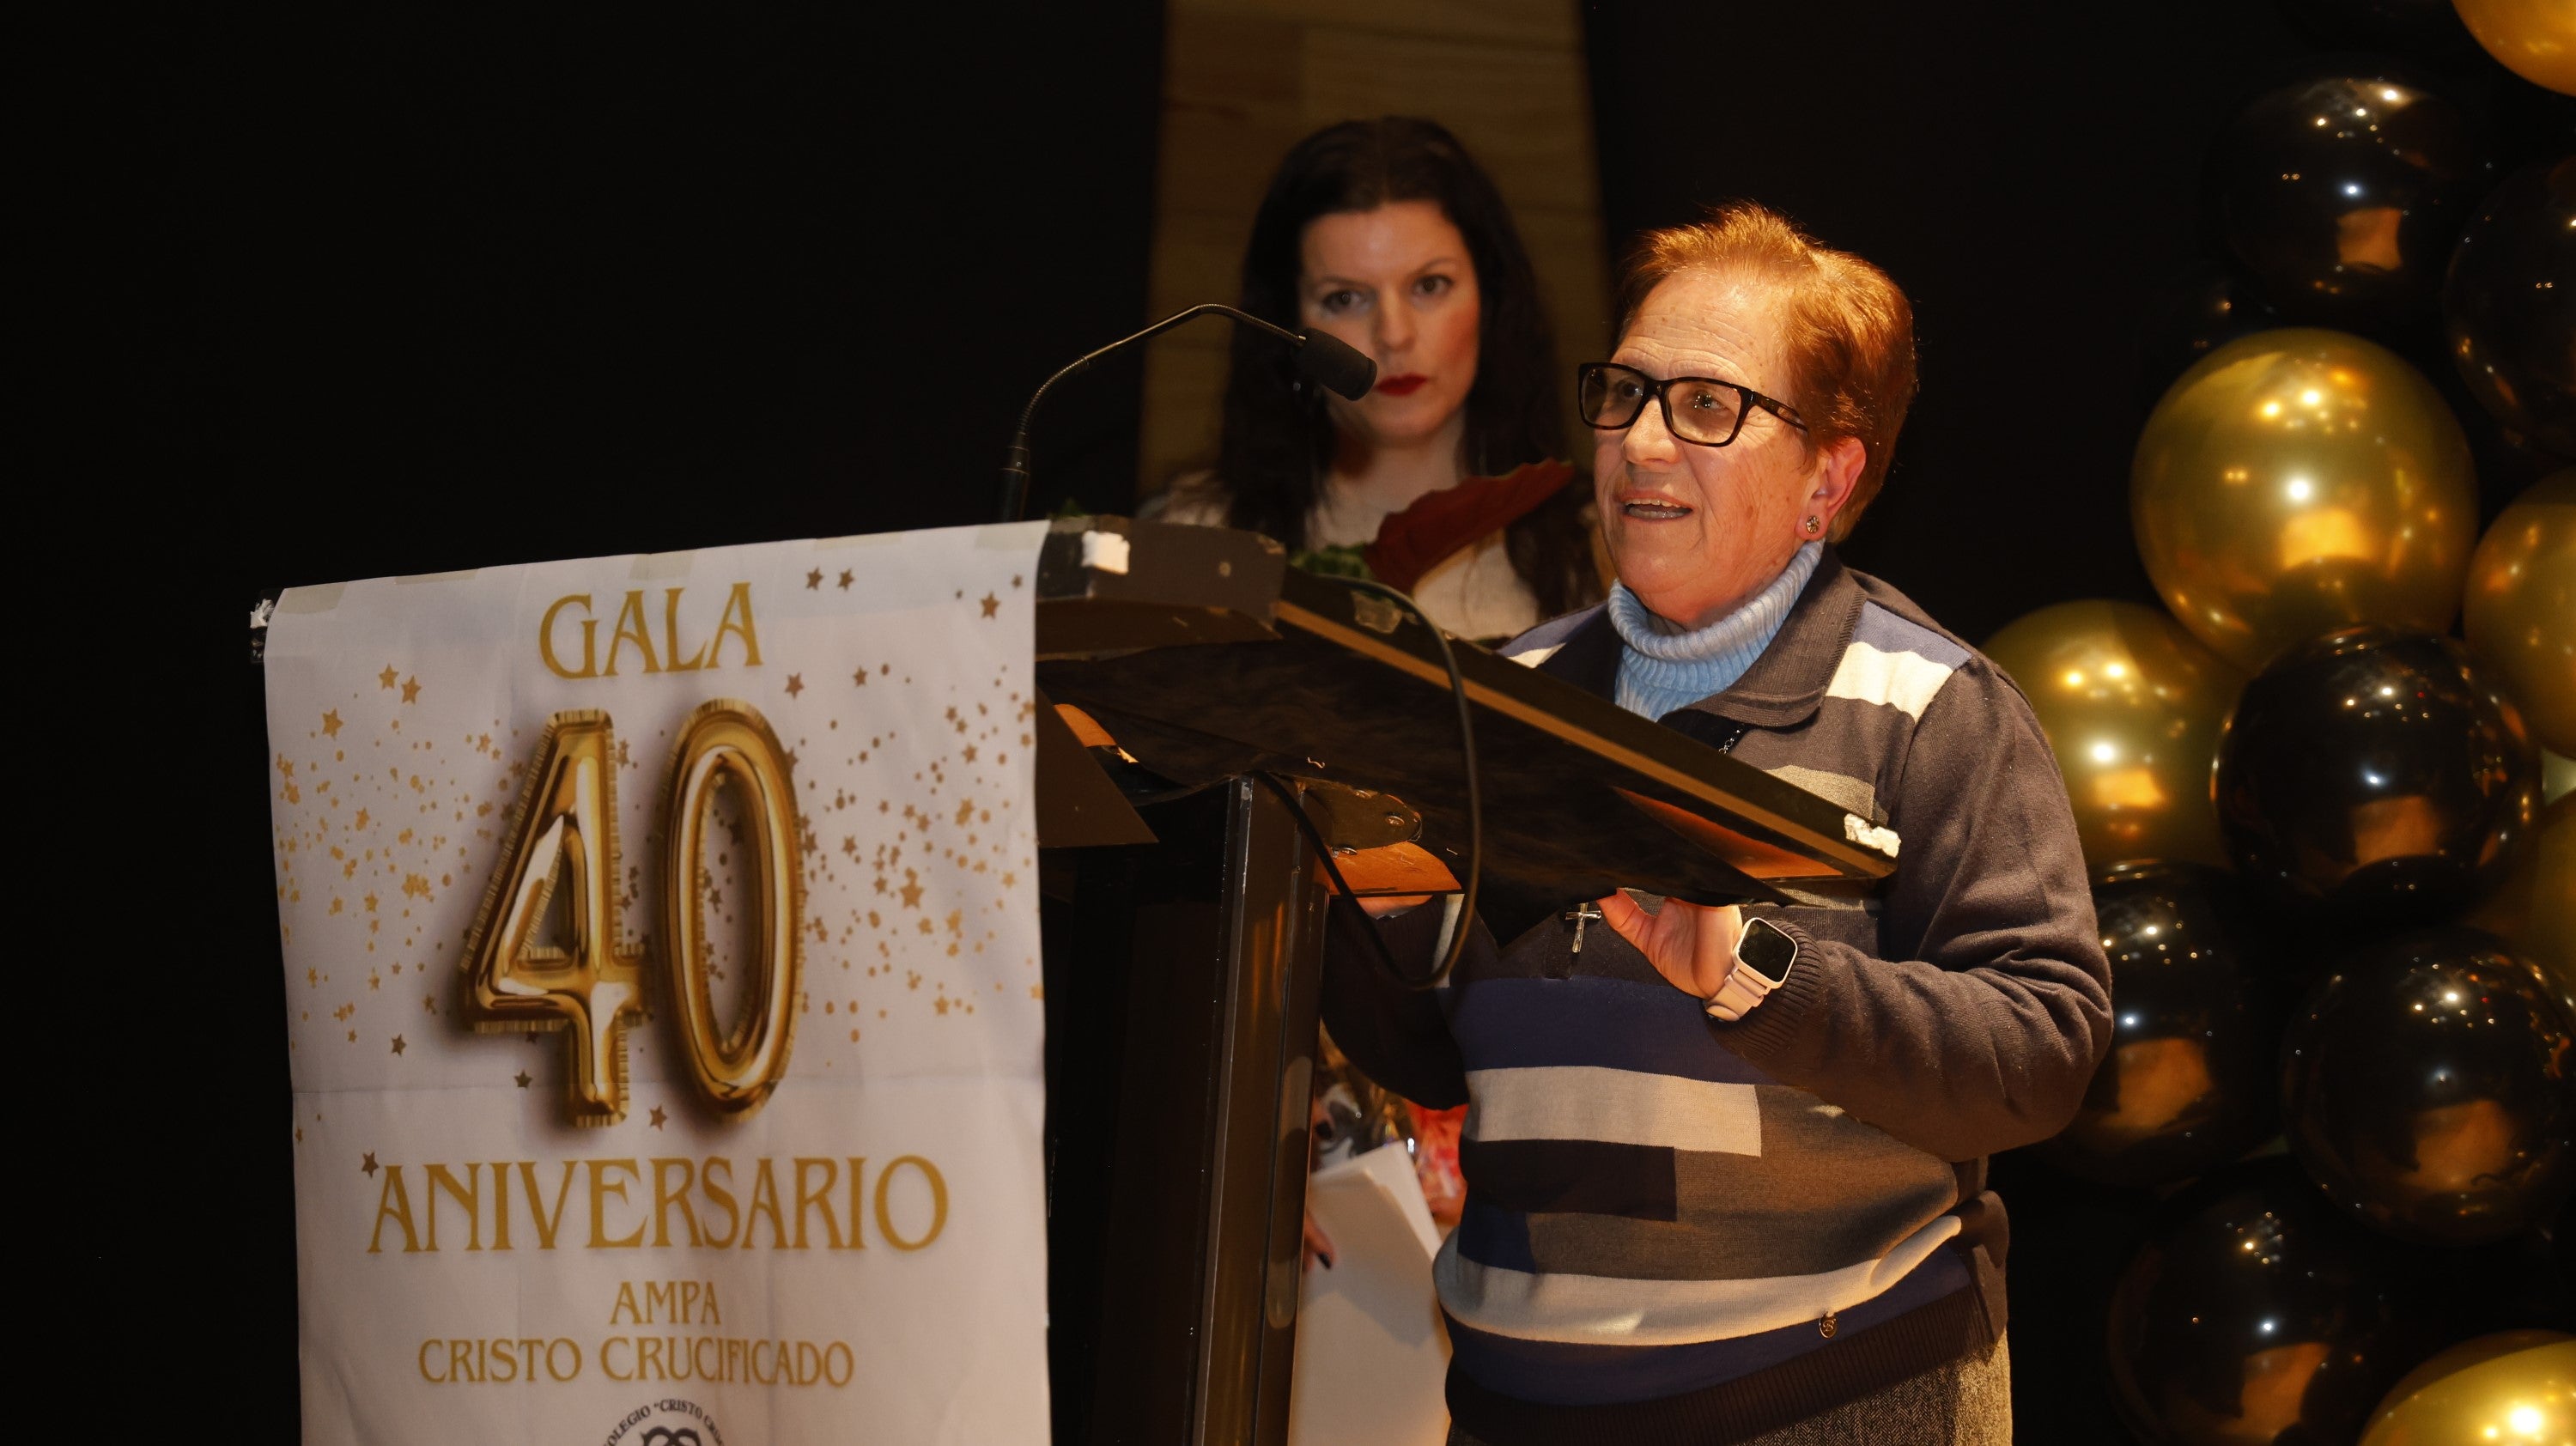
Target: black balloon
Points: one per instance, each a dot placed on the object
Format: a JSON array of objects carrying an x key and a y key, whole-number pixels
[
  {"x": 2476, "y": 1290},
  {"x": 2254, "y": 1312},
  {"x": 2189, "y": 321},
  {"x": 2342, "y": 196},
  {"x": 2188, "y": 1084},
  {"x": 2427, "y": 1087},
  {"x": 2509, "y": 304},
  {"x": 2377, "y": 773}
]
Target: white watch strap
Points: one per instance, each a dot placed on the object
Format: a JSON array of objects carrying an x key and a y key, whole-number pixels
[{"x": 1736, "y": 997}]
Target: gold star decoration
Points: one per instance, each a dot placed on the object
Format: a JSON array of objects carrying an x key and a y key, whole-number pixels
[
  {"x": 658, "y": 1117},
  {"x": 398, "y": 1044},
  {"x": 912, "y": 896},
  {"x": 814, "y": 579},
  {"x": 847, "y": 577},
  {"x": 411, "y": 690},
  {"x": 524, "y": 1078},
  {"x": 795, "y": 684},
  {"x": 369, "y": 1167},
  {"x": 386, "y": 678},
  {"x": 860, "y": 677},
  {"x": 1015, "y": 579},
  {"x": 331, "y": 724},
  {"x": 992, "y": 605}
]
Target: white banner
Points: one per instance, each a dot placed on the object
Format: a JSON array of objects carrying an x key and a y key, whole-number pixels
[{"x": 575, "y": 1166}]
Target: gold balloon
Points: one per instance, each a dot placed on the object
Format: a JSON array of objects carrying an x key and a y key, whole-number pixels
[
  {"x": 2534, "y": 909},
  {"x": 533, "y": 966},
  {"x": 2515, "y": 1388},
  {"x": 2520, "y": 609},
  {"x": 2299, "y": 480},
  {"x": 727, "y": 742},
  {"x": 2133, "y": 708},
  {"x": 586, "y": 980},
  {"x": 2535, "y": 39}
]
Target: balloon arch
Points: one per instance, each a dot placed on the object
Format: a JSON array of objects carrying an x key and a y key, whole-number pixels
[{"x": 2335, "y": 855}]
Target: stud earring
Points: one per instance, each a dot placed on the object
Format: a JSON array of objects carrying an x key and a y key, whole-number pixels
[{"x": 1815, "y": 525}]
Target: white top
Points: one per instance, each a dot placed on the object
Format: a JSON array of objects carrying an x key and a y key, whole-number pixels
[{"x": 1471, "y": 593}]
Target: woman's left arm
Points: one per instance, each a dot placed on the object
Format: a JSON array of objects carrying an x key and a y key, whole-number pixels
[{"x": 1987, "y": 1036}]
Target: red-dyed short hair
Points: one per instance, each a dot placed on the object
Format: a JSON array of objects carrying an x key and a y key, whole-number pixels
[{"x": 1851, "y": 331}]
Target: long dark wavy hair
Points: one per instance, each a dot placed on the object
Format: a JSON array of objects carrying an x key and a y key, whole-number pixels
[{"x": 1278, "y": 436}]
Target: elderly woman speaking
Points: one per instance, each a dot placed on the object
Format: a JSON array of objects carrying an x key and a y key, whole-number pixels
[{"x": 1726, "y": 1167}]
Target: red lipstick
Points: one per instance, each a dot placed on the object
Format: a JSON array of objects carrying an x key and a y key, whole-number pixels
[{"x": 1402, "y": 386}]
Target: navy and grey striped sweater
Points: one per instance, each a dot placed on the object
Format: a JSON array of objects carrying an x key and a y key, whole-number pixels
[{"x": 1683, "y": 1229}]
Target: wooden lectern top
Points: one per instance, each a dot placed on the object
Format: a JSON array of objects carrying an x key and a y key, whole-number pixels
[{"x": 1204, "y": 656}]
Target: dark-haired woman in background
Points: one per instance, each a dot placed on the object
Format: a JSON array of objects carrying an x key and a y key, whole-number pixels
[{"x": 1446, "y": 480}]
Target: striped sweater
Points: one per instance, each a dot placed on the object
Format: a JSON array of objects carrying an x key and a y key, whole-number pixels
[{"x": 1680, "y": 1229}]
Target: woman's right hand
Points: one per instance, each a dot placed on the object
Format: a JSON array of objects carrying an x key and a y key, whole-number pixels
[{"x": 1691, "y": 945}]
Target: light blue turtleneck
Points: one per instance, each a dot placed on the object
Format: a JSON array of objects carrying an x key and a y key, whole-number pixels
[{"x": 1662, "y": 667}]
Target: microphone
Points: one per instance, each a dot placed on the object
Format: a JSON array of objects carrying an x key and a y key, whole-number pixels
[
  {"x": 1319, "y": 356},
  {"x": 1326, "y": 359}
]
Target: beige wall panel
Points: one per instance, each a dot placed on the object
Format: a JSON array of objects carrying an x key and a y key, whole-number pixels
[
  {"x": 1566, "y": 248},
  {"x": 1229, "y": 57},
  {"x": 1233, "y": 103},
  {"x": 1198, "y": 256},
  {"x": 1524, "y": 113},
  {"x": 1184, "y": 384}
]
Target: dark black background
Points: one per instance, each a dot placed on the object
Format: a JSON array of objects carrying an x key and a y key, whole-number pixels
[
  {"x": 396, "y": 291},
  {"x": 393, "y": 291}
]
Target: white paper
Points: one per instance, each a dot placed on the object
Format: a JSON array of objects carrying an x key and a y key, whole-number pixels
[{"x": 1371, "y": 1355}]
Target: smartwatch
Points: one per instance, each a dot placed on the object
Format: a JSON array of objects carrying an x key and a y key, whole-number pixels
[{"x": 1764, "y": 955}]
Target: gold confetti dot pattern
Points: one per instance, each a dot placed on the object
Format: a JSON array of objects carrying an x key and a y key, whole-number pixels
[{"x": 400, "y": 740}]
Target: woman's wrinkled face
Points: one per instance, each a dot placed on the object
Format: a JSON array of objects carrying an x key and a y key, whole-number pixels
[
  {"x": 1695, "y": 530},
  {"x": 1396, "y": 283}
]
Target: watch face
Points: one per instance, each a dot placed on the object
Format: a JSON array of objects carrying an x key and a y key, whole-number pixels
[{"x": 1766, "y": 949}]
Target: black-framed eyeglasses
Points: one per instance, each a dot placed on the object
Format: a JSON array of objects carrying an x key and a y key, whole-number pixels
[{"x": 1701, "y": 410}]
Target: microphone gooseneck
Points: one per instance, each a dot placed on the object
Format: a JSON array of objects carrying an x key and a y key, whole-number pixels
[{"x": 1318, "y": 356}]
